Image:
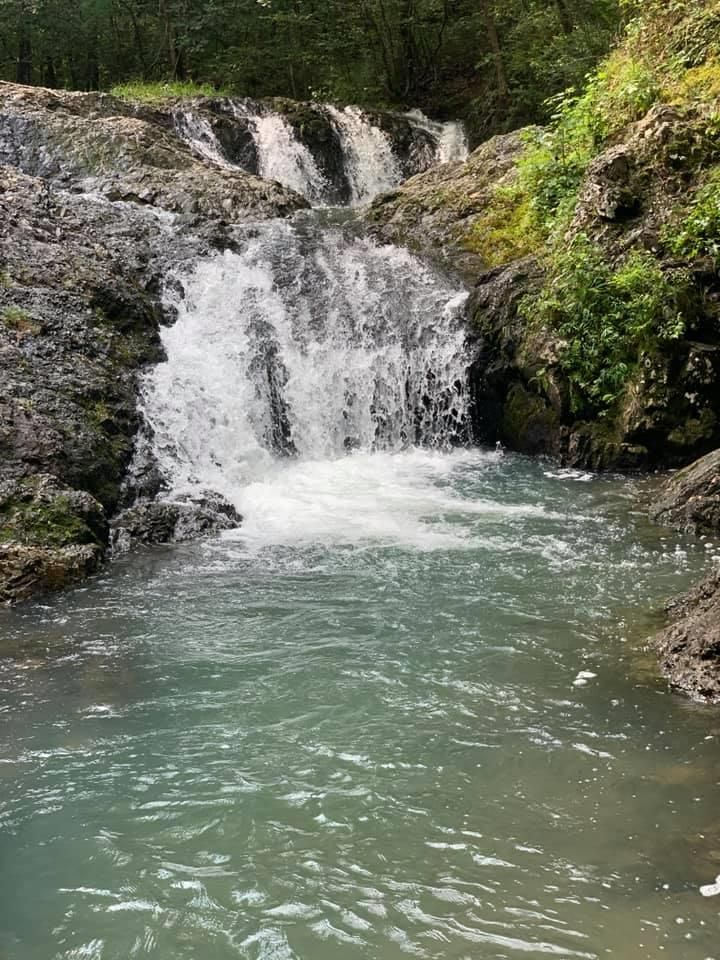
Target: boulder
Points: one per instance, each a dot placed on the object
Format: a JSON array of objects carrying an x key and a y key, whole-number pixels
[
  {"x": 689, "y": 649},
  {"x": 189, "y": 517},
  {"x": 690, "y": 500},
  {"x": 434, "y": 212}
]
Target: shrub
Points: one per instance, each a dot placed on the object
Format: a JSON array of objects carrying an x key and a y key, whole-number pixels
[
  {"x": 608, "y": 318},
  {"x": 699, "y": 233}
]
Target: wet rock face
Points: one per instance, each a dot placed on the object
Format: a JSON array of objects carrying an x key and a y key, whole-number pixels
[
  {"x": 50, "y": 536},
  {"x": 190, "y": 517},
  {"x": 434, "y": 212},
  {"x": 689, "y": 650},
  {"x": 99, "y": 200},
  {"x": 690, "y": 501},
  {"x": 102, "y": 144}
]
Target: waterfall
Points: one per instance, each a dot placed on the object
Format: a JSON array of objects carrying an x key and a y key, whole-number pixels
[
  {"x": 311, "y": 342},
  {"x": 370, "y": 165},
  {"x": 197, "y": 132},
  {"x": 354, "y": 160},
  {"x": 281, "y": 156},
  {"x": 451, "y": 143}
]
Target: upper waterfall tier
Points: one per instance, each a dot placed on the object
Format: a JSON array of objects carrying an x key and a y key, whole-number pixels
[
  {"x": 311, "y": 342},
  {"x": 328, "y": 154}
]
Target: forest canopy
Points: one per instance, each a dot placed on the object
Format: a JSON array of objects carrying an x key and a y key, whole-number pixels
[{"x": 493, "y": 61}]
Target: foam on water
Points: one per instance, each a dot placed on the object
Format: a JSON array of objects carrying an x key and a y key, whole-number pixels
[{"x": 310, "y": 343}]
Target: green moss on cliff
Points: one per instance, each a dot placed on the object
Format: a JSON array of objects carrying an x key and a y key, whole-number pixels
[
  {"x": 143, "y": 92},
  {"x": 508, "y": 230},
  {"x": 48, "y": 524}
]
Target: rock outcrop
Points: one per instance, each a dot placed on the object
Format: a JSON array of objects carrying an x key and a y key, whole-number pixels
[
  {"x": 92, "y": 199},
  {"x": 467, "y": 216},
  {"x": 690, "y": 501},
  {"x": 434, "y": 212},
  {"x": 689, "y": 649},
  {"x": 100, "y": 144}
]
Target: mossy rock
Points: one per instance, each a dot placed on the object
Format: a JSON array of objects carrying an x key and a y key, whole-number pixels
[
  {"x": 529, "y": 423},
  {"x": 40, "y": 511}
]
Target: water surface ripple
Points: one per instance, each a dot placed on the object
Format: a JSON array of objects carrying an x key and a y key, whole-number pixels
[{"x": 402, "y": 713}]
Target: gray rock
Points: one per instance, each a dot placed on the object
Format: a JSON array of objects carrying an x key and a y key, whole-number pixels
[
  {"x": 205, "y": 514},
  {"x": 99, "y": 143},
  {"x": 690, "y": 500},
  {"x": 81, "y": 270},
  {"x": 434, "y": 212},
  {"x": 689, "y": 649}
]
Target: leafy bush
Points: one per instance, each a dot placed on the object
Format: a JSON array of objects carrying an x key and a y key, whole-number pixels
[
  {"x": 699, "y": 233},
  {"x": 608, "y": 318}
]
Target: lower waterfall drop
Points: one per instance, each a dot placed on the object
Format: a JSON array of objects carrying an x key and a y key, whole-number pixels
[{"x": 313, "y": 343}]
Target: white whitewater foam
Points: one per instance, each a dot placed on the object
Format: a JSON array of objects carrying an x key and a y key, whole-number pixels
[
  {"x": 282, "y": 157},
  {"x": 313, "y": 343},
  {"x": 375, "y": 498},
  {"x": 199, "y": 135}
]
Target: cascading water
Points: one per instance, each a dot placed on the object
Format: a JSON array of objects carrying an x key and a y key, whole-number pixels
[
  {"x": 283, "y": 157},
  {"x": 370, "y": 165},
  {"x": 196, "y": 131},
  {"x": 369, "y": 162},
  {"x": 450, "y": 137},
  {"x": 397, "y": 712},
  {"x": 313, "y": 343}
]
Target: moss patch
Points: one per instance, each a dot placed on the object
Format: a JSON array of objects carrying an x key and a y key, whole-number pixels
[
  {"x": 142, "y": 92},
  {"x": 508, "y": 230},
  {"x": 18, "y": 320},
  {"x": 53, "y": 523}
]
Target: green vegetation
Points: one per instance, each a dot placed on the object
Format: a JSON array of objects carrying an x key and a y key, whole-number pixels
[
  {"x": 614, "y": 311},
  {"x": 698, "y": 233},
  {"x": 507, "y": 231},
  {"x": 49, "y": 523},
  {"x": 493, "y": 61},
  {"x": 19, "y": 321},
  {"x": 610, "y": 317},
  {"x": 143, "y": 92}
]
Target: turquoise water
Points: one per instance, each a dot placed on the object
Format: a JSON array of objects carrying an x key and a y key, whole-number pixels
[{"x": 358, "y": 730}]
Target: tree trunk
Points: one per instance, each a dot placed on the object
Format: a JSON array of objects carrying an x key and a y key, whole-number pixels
[
  {"x": 566, "y": 21},
  {"x": 23, "y": 69},
  {"x": 491, "y": 27}
]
